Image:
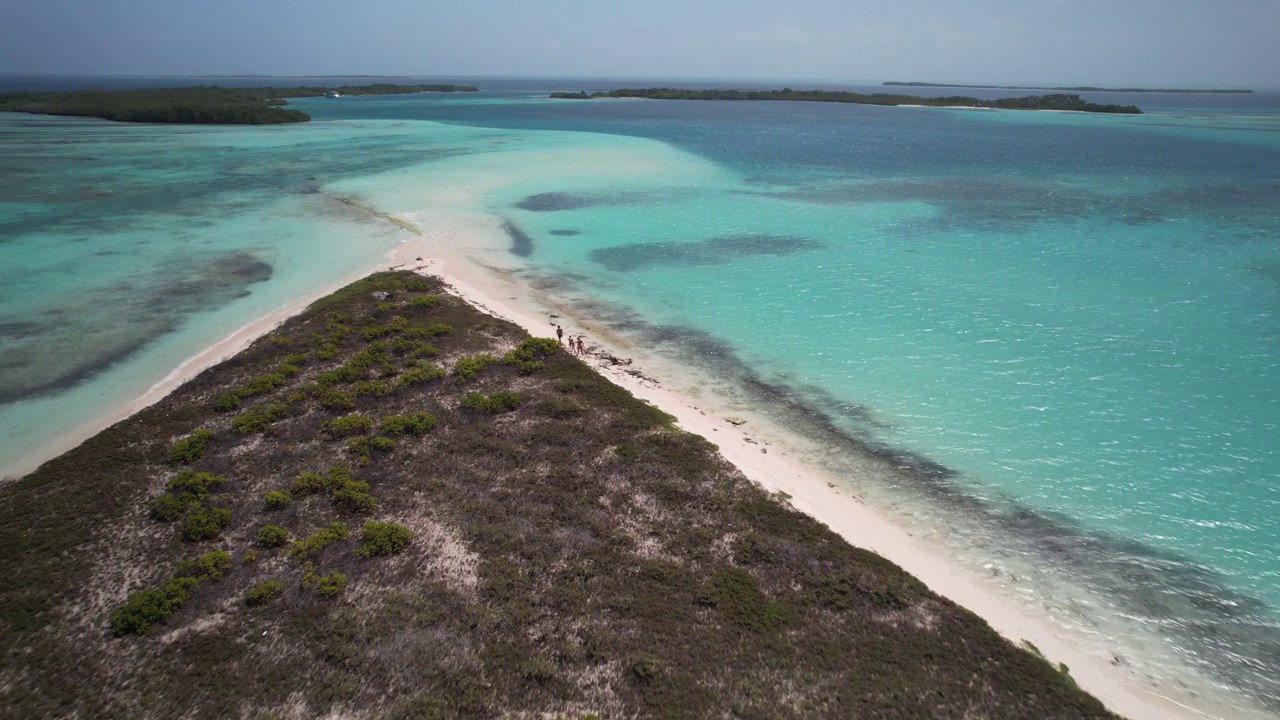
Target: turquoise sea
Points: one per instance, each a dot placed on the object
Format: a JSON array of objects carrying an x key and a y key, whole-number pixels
[{"x": 1062, "y": 330}]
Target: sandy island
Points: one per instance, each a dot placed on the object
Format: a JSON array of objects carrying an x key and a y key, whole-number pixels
[{"x": 768, "y": 455}]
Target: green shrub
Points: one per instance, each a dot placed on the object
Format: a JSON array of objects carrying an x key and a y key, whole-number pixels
[
  {"x": 354, "y": 501},
  {"x": 227, "y": 401},
  {"x": 206, "y": 524},
  {"x": 365, "y": 447},
  {"x": 308, "y": 483},
  {"x": 356, "y": 367},
  {"x": 299, "y": 359},
  {"x": 319, "y": 540},
  {"x": 288, "y": 370},
  {"x": 309, "y": 576},
  {"x": 493, "y": 404},
  {"x": 150, "y": 606},
  {"x": 347, "y": 488},
  {"x": 353, "y": 424},
  {"x": 190, "y": 448},
  {"x": 261, "y": 385},
  {"x": 258, "y": 418},
  {"x": 277, "y": 499},
  {"x": 424, "y": 301},
  {"x": 468, "y": 367},
  {"x": 397, "y": 324},
  {"x": 168, "y": 508},
  {"x": 250, "y": 556},
  {"x": 423, "y": 350},
  {"x": 196, "y": 483},
  {"x": 336, "y": 400},
  {"x": 188, "y": 490},
  {"x": 209, "y": 566},
  {"x": 333, "y": 322},
  {"x": 370, "y": 387},
  {"x": 528, "y": 354},
  {"x": 347, "y": 492},
  {"x": 272, "y": 536},
  {"x": 424, "y": 372},
  {"x": 327, "y": 351},
  {"x": 330, "y": 584},
  {"x": 383, "y": 538},
  {"x": 432, "y": 330},
  {"x": 418, "y": 423},
  {"x": 263, "y": 593}
]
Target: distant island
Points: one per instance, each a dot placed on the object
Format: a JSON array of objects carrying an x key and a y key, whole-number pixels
[
  {"x": 1058, "y": 101},
  {"x": 196, "y": 105},
  {"x": 1080, "y": 88}
]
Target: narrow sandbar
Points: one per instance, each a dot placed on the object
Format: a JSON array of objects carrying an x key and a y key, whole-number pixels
[{"x": 463, "y": 255}]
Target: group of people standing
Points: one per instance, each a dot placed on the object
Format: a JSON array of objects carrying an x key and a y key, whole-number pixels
[{"x": 576, "y": 346}]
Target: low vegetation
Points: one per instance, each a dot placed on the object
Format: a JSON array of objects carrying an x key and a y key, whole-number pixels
[
  {"x": 383, "y": 538},
  {"x": 319, "y": 540},
  {"x": 1053, "y": 101},
  {"x": 259, "y": 418},
  {"x": 418, "y": 423},
  {"x": 528, "y": 355},
  {"x": 202, "y": 105},
  {"x": 353, "y": 424},
  {"x": 494, "y": 404},
  {"x": 574, "y": 555},
  {"x": 466, "y": 368},
  {"x": 263, "y": 593},
  {"x": 272, "y": 536},
  {"x": 190, "y": 448}
]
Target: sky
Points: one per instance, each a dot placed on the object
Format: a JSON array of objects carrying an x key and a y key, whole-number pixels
[{"x": 1184, "y": 43}]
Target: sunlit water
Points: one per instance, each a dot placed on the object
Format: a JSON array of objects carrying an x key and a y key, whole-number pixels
[{"x": 1064, "y": 328}]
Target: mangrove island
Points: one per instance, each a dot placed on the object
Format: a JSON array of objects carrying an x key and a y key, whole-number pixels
[
  {"x": 196, "y": 105},
  {"x": 1057, "y": 101},
  {"x": 1077, "y": 88}
]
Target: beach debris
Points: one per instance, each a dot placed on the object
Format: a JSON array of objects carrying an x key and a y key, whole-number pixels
[
  {"x": 753, "y": 442},
  {"x": 381, "y": 295},
  {"x": 641, "y": 376},
  {"x": 612, "y": 359},
  {"x": 763, "y": 450},
  {"x": 735, "y": 421}
]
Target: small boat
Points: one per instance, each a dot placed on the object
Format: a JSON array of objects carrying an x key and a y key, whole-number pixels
[{"x": 332, "y": 94}]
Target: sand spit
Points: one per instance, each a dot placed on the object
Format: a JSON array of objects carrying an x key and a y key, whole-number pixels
[{"x": 768, "y": 455}]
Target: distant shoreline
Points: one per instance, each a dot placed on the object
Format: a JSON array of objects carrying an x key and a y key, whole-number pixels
[{"x": 1077, "y": 88}]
